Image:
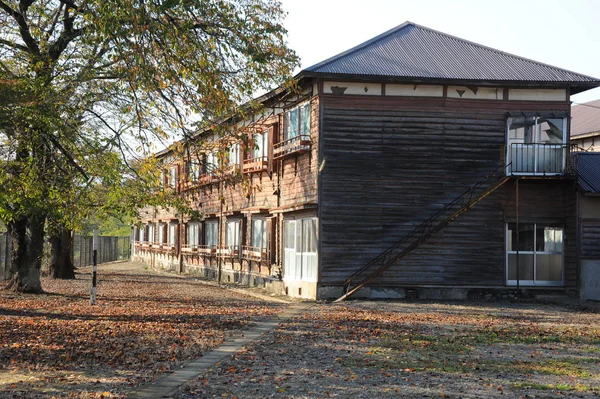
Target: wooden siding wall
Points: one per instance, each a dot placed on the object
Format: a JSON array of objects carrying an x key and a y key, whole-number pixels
[
  {"x": 590, "y": 228},
  {"x": 392, "y": 162},
  {"x": 291, "y": 183}
]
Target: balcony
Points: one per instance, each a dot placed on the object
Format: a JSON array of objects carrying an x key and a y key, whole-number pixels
[
  {"x": 228, "y": 251},
  {"x": 537, "y": 159},
  {"x": 294, "y": 145},
  {"x": 257, "y": 254},
  {"x": 258, "y": 164}
]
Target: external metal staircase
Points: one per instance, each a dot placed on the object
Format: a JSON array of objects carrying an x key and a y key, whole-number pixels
[{"x": 424, "y": 231}]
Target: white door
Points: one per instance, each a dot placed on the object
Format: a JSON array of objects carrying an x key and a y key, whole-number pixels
[{"x": 289, "y": 242}]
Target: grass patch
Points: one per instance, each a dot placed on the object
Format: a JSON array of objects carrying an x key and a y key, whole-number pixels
[
  {"x": 557, "y": 387},
  {"x": 570, "y": 367}
]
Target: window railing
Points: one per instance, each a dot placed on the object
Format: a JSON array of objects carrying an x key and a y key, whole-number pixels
[
  {"x": 292, "y": 145},
  {"x": 257, "y": 164},
  {"x": 254, "y": 253},
  {"x": 536, "y": 159},
  {"x": 227, "y": 250},
  {"x": 189, "y": 248}
]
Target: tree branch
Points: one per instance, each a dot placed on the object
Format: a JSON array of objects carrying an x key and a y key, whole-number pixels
[
  {"x": 31, "y": 43},
  {"x": 14, "y": 45},
  {"x": 68, "y": 156}
]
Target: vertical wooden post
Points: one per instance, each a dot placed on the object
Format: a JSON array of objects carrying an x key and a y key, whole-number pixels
[
  {"x": 94, "y": 267},
  {"x": 518, "y": 229}
]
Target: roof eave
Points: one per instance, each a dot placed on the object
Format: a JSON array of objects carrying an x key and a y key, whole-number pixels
[{"x": 576, "y": 87}]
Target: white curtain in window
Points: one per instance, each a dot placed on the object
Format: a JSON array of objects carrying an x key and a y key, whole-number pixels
[
  {"x": 234, "y": 154},
  {"x": 260, "y": 145},
  {"x": 305, "y": 119},
  {"x": 211, "y": 234},
  {"x": 259, "y": 233},
  {"x": 173, "y": 181},
  {"x": 192, "y": 234},
  {"x": 233, "y": 234},
  {"x": 172, "y": 234}
]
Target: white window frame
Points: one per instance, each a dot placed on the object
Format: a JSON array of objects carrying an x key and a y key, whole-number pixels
[
  {"x": 302, "y": 125},
  {"x": 304, "y": 264},
  {"x": 259, "y": 224},
  {"x": 534, "y": 253},
  {"x": 193, "y": 234},
  {"x": 172, "y": 240},
  {"x": 211, "y": 233},
  {"x": 536, "y": 148},
  {"x": 233, "y": 234},
  {"x": 173, "y": 177},
  {"x": 161, "y": 233},
  {"x": 233, "y": 155},
  {"x": 260, "y": 144},
  {"x": 212, "y": 162}
]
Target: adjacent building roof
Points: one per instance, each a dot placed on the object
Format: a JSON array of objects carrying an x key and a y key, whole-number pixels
[
  {"x": 414, "y": 51},
  {"x": 588, "y": 171},
  {"x": 585, "y": 119}
]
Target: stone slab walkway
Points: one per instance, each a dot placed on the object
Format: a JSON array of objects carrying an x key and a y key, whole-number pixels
[{"x": 168, "y": 384}]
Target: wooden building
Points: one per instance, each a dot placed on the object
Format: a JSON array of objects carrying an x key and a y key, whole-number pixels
[
  {"x": 585, "y": 126},
  {"x": 415, "y": 164}
]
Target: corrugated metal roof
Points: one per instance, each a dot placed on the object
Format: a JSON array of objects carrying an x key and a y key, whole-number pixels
[
  {"x": 414, "y": 51},
  {"x": 585, "y": 118},
  {"x": 588, "y": 171}
]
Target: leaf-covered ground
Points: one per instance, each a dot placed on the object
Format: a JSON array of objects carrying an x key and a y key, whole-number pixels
[
  {"x": 417, "y": 350},
  {"x": 144, "y": 323}
]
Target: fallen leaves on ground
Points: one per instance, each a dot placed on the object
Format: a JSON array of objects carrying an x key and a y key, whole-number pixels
[
  {"x": 362, "y": 349},
  {"x": 144, "y": 323}
]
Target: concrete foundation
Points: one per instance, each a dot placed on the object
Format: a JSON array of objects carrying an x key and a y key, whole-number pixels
[{"x": 590, "y": 280}]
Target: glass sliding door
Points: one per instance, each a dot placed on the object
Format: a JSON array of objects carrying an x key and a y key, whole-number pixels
[
  {"x": 300, "y": 249},
  {"x": 534, "y": 254}
]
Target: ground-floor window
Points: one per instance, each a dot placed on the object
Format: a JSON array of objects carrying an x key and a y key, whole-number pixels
[
  {"x": 172, "y": 234},
  {"x": 259, "y": 233},
  {"x": 535, "y": 254},
  {"x": 162, "y": 237},
  {"x": 211, "y": 234},
  {"x": 233, "y": 235},
  {"x": 193, "y": 234},
  {"x": 150, "y": 233},
  {"x": 300, "y": 249}
]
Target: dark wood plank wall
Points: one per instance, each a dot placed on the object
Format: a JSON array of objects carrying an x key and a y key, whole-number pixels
[
  {"x": 392, "y": 162},
  {"x": 590, "y": 238}
]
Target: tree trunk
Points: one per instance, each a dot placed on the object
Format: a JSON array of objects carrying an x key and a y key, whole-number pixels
[
  {"x": 61, "y": 242},
  {"x": 27, "y": 236}
]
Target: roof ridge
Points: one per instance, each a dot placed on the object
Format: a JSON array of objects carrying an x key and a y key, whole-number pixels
[
  {"x": 502, "y": 52},
  {"x": 574, "y": 75},
  {"x": 362, "y": 45}
]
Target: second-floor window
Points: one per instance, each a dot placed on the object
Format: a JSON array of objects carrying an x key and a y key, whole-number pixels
[
  {"x": 212, "y": 162},
  {"x": 536, "y": 145},
  {"x": 233, "y": 156},
  {"x": 173, "y": 176},
  {"x": 193, "y": 170},
  {"x": 261, "y": 142},
  {"x": 297, "y": 121}
]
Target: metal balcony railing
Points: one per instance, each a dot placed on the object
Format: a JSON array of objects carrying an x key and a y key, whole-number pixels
[{"x": 537, "y": 159}]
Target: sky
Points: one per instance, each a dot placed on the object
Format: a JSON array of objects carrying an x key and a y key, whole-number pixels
[{"x": 562, "y": 33}]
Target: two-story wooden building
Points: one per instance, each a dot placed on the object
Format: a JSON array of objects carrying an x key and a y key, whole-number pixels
[{"x": 416, "y": 163}]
